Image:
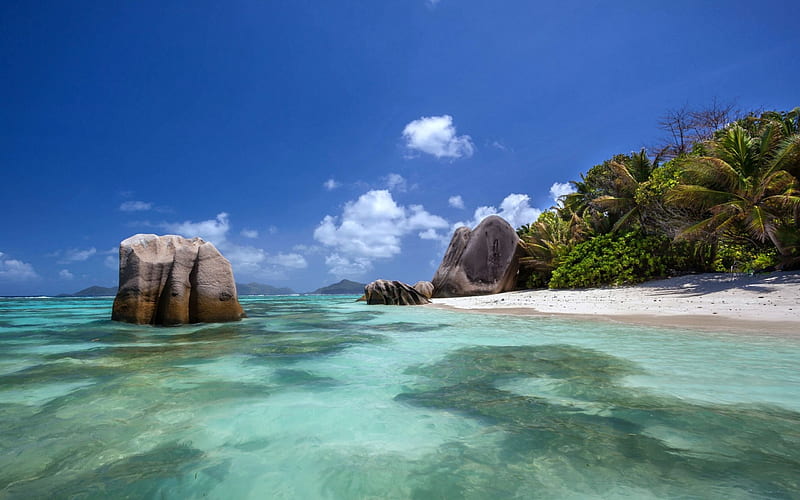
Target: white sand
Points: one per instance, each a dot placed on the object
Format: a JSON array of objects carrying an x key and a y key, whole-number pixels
[{"x": 766, "y": 303}]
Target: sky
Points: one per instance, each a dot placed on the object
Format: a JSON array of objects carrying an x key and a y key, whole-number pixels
[{"x": 316, "y": 141}]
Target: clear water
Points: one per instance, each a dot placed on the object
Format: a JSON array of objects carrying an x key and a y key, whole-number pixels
[{"x": 315, "y": 397}]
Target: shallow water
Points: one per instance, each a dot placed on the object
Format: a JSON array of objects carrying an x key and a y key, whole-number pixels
[{"x": 320, "y": 397}]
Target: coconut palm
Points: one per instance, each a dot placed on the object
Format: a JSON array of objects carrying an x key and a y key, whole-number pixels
[
  {"x": 621, "y": 201},
  {"x": 747, "y": 188},
  {"x": 548, "y": 240}
]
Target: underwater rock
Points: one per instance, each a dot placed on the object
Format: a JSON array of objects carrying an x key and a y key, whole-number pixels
[
  {"x": 393, "y": 293},
  {"x": 479, "y": 262},
  {"x": 171, "y": 280}
]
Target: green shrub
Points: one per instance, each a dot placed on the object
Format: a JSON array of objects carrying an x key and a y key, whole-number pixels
[
  {"x": 609, "y": 260},
  {"x": 738, "y": 258}
]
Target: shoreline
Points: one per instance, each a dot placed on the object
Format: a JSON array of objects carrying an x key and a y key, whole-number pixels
[{"x": 766, "y": 304}]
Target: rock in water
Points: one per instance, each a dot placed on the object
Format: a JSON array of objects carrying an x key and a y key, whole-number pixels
[
  {"x": 171, "y": 280},
  {"x": 425, "y": 288},
  {"x": 393, "y": 293},
  {"x": 479, "y": 262}
]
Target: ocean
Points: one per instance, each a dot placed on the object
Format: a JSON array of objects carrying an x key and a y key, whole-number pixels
[{"x": 322, "y": 397}]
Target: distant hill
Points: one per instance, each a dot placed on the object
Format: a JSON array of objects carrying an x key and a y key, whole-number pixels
[
  {"x": 344, "y": 287},
  {"x": 241, "y": 288},
  {"x": 93, "y": 291},
  {"x": 260, "y": 289}
]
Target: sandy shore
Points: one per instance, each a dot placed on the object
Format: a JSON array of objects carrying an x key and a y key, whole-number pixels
[{"x": 764, "y": 303}]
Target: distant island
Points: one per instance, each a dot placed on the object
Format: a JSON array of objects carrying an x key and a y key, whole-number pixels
[
  {"x": 93, "y": 291},
  {"x": 261, "y": 289},
  {"x": 241, "y": 289},
  {"x": 344, "y": 287}
]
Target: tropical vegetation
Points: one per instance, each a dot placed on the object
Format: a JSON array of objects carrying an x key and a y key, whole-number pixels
[{"x": 724, "y": 195}]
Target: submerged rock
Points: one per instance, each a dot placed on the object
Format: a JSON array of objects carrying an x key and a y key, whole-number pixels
[
  {"x": 393, "y": 293},
  {"x": 171, "y": 280},
  {"x": 482, "y": 261}
]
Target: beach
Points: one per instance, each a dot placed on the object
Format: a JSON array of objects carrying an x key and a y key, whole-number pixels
[{"x": 766, "y": 303}]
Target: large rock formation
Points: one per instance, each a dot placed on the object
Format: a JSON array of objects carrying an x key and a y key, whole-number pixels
[
  {"x": 425, "y": 288},
  {"x": 479, "y": 262},
  {"x": 170, "y": 280},
  {"x": 393, "y": 293}
]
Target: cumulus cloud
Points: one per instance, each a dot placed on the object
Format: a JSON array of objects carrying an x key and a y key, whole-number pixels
[
  {"x": 436, "y": 135},
  {"x": 74, "y": 255},
  {"x": 244, "y": 259},
  {"x": 15, "y": 270},
  {"x": 135, "y": 206},
  {"x": 456, "y": 201},
  {"x": 64, "y": 274},
  {"x": 371, "y": 228},
  {"x": 213, "y": 230},
  {"x": 396, "y": 182},
  {"x": 288, "y": 260},
  {"x": 499, "y": 145},
  {"x": 429, "y": 234},
  {"x": 344, "y": 266},
  {"x": 249, "y": 233},
  {"x": 515, "y": 208},
  {"x": 331, "y": 184},
  {"x": 559, "y": 189}
]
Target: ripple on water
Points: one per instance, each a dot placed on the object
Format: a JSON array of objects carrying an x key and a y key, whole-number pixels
[{"x": 315, "y": 397}]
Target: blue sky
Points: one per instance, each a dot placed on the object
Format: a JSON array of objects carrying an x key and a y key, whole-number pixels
[{"x": 314, "y": 141}]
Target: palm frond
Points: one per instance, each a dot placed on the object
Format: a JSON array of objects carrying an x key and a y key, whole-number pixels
[
  {"x": 625, "y": 220},
  {"x": 787, "y": 157},
  {"x": 760, "y": 224},
  {"x": 703, "y": 229},
  {"x": 693, "y": 196},
  {"x": 711, "y": 172},
  {"x": 624, "y": 181},
  {"x": 612, "y": 204},
  {"x": 739, "y": 150}
]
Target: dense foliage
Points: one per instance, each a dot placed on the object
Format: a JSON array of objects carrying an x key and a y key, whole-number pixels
[{"x": 728, "y": 199}]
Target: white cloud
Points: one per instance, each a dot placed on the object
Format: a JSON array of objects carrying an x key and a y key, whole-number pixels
[
  {"x": 331, "y": 184},
  {"x": 456, "y": 201},
  {"x": 75, "y": 255},
  {"x": 111, "y": 261},
  {"x": 309, "y": 249},
  {"x": 343, "y": 266},
  {"x": 396, "y": 182},
  {"x": 64, "y": 274},
  {"x": 429, "y": 234},
  {"x": 559, "y": 189},
  {"x": 370, "y": 228},
  {"x": 15, "y": 270},
  {"x": 135, "y": 206},
  {"x": 289, "y": 260},
  {"x": 249, "y": 233},
  {"x": 436, "y": 136},
  {"x": 245, "y": 259},
  {"x": 214, "y": 230},
  {"x": 515, "y": 208}
]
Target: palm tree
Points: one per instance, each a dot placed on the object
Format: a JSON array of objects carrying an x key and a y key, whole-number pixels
[
  {"x": 747, "y": 188},
  {"x": 621, "y": 201},
  {"x": 548, "y": 240}
]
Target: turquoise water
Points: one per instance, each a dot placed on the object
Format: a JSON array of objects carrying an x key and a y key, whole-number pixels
[{"x": 315, "y": 397}]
